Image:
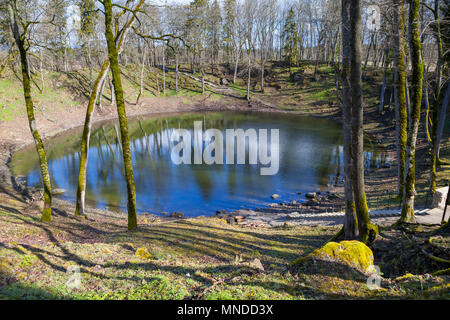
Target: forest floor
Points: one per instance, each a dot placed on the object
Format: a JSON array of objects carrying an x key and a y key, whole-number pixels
[{"x": 201, "y": 258}]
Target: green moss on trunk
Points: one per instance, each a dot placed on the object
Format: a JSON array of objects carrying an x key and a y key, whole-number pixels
[
  {"x": 407, "y": 214},
  {"x": 20, "y": 38},
  {"x": 435, "y": 110},
  {"x": 351, "y": 220},
  {"x": 120, "y": 102},
  {"x": 81, "y": 190},
  {"x": 367, "y": 230},
  {"x": 401, "y": 96}
]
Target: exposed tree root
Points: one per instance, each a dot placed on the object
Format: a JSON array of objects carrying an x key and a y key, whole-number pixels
[{"x": 441, "y": 272}]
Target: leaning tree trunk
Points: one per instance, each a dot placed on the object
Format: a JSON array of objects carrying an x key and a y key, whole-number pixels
[
  {"x": 351, "y": 221},
  {"x": 81, "y": 189},
  {"x": 26, "y": 81},
  {"x": 120, "y": 102},
  {"x": 400, "y": 88},
  {"x": 367, "y": 231},
  {"x": 100, "y": 94},
  {"x": 416, "y": 85},
  {"x": 111, "y": 89}
]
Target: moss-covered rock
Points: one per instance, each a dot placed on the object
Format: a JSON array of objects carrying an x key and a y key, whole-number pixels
[
  {"x": 352, "y": 253},
  {"x": 143, "y": 254}
]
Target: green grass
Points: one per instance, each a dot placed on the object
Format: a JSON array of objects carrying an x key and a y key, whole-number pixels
[
  {"x": 71, "y": 89},
  {"x": 201, "y": 258}
]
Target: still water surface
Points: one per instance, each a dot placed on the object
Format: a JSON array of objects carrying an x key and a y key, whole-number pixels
[{"x": 310, "y": 159}]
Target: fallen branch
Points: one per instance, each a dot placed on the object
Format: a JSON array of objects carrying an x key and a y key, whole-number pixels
[
  {"x": 214, "y": 284},
  {"x": 437, "y": 259},
  {"x": 441, "y": 272}
]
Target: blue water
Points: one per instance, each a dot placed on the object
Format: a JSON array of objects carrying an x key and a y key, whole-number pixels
[{"x": 310, "y": 160}]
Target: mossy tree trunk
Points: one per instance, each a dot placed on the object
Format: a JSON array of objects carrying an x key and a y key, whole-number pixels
[
  {"x": 435, "y": 106},
  {"x": 350, "y": 222},
  {"x": 84, "y": 156},
  {"x": 407, "y": 214},
  {"x": 120, "y": 102},
  {"x": 366, "y": 229},
  {"x": 81, "y": 189},
  {"x": 441, "y": 124},
  {"x": 357, "y": 223},
  {"x": 401, "y": 113},
  {"x": 20, "y": 39}
]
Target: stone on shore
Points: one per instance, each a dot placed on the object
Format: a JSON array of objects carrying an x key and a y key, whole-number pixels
[
  {"x": 58, "y": 191},
  {"x": 310, "y": 195},
  {"x": 177, "y": 215},
  {"x": 294, "y": 215}
]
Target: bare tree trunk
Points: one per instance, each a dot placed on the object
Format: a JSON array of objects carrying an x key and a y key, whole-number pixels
[
  {"x": 65, "y": 58},
  {"x": 176, "y": 73},
  {"x": 89, "y": 66},
  {"x": 141, "y": 84},
  {"x": 262, "y": 67},
  {"x": 157, "y": 84},
  {"x": 41, "y": 69},
  {"x": 382, "y": 93},
  {"x": 203, "y": 78},
  {"x": 236, "y": 63},
  {"x": 383, "y": 87},
  {"x": 368, "y": 52},
  {"x": 248, "y": 78},
  {"x": 444, "y": 106},
  {"x": 164, "y": 71}
]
